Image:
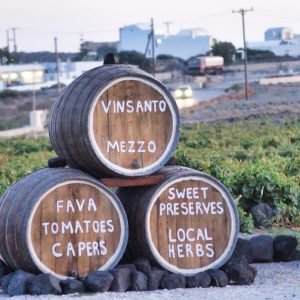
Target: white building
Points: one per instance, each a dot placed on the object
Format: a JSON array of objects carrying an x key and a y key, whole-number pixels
[
  {"x": 22, "y": 74},
  {"x": 37, "y": 76},
  {"x": 134, "y": 37},
  {"x": 186, "y": 43},
  {"x": 68, "y": 71},
  {"x": 279, "y": 48},
  {"x": 279, "y": 34},
  {"x": 280, "y": 40}
]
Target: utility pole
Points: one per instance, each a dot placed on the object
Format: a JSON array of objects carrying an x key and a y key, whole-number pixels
[
  {"x": 150, "y": 37},
  {"x": 33, "y": 102},
  {"x": 14, "y": 38},
  {"x": 153, "y": 45},
  {"x": 10, "y": 39},
  {"x": 146, "y": 50},
  {"x": 7, "y": 39},
  {"x": 57, "y": 65},
  {"x": 242, "y": 12},
  {"x": 168, "y": 27},
  {"x": 33, "y": 91}
]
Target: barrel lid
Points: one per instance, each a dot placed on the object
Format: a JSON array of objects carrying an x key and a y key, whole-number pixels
[
  {"x": 191, "y": 223},
  {"x": 133, "y": 125},
  {"x": 76, "y": 227}
]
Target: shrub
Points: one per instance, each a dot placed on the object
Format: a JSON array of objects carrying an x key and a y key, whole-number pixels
[
  {"x": 20, "y": 157},
  {"x": 8, "y": 93},
  {"x": 250, "y": 160},
  {"x": 246, "y": 221},
  {"x": 259, "y": 182}
]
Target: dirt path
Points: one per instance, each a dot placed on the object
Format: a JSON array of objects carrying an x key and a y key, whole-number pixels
[{"x": 14, "y": 109}]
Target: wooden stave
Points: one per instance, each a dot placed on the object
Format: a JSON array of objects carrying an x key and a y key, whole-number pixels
[
  {"x": 6, "y": 208},
  {"x": 133, "y": 203},
  {"x": 136, "y": 207},
  {"x": 14, "y": 228},
  {"x": 56, "y": 137},
  {"x": 81, "y": 145},
  {"x": 29, "y": 265},
  {"x": 22, "y": 258},
  {"x": 9, "y": 193},
  {"x": 60, "y": 133},
  {"x": 55, "y": 119}
]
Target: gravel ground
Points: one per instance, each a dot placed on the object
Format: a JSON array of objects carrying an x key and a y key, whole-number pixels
[
  {"x": 272, "y": 100},
  {"x": 274, "y": 281}
]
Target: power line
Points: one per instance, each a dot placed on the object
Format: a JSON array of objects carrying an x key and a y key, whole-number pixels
[{"x": 242, "y": 12}]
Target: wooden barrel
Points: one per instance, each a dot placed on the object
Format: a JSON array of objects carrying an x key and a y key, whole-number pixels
[
  {"x": 188, "y": 223},
  {"x": 116, "y": 120},
  {"x": 61, "y": 221}
]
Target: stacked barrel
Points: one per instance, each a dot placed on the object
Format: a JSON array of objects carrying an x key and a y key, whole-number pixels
[
  {"x": 116, "y": 121},
  {"x": 61, "y": 221}
]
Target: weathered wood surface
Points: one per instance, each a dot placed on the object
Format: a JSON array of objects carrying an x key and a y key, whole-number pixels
[
  {"x": 61, "y": 221},
  {"x": 132, "y": 124},
  {"x": 136, "y": 181},
  {"x": 188, "y": 223},
  {"x": 115, "y": 120}
]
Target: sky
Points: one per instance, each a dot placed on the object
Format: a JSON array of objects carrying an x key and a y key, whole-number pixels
[{"x": 72, "y": 21}]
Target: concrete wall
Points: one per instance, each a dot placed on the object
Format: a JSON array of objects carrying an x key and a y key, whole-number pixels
[
  {"x": 264, "y": 67},
  {"x": 281, "y": 79}
]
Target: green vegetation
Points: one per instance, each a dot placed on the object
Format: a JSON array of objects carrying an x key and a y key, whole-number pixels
[
  {"x": 259, "y": 161},
  {"x": 224, "y": 49},
  {"x": 135, "y": 58},
  {"x": 234, "y": 88},
  {"x": 5, "y": 57},
  {"x": 13, "y": 94},
  {"x": 164, "y": 57},
  {"x": 8, "y": 93},
  {"x": 260, "y": 55},
  {"x": 19, "y": 157}
]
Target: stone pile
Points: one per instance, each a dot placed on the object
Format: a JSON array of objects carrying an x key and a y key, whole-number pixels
[
  {"x": 138, "y": 276},
  {"x": 265, "y": 248},
  {"x": 141, "y": 276}
]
